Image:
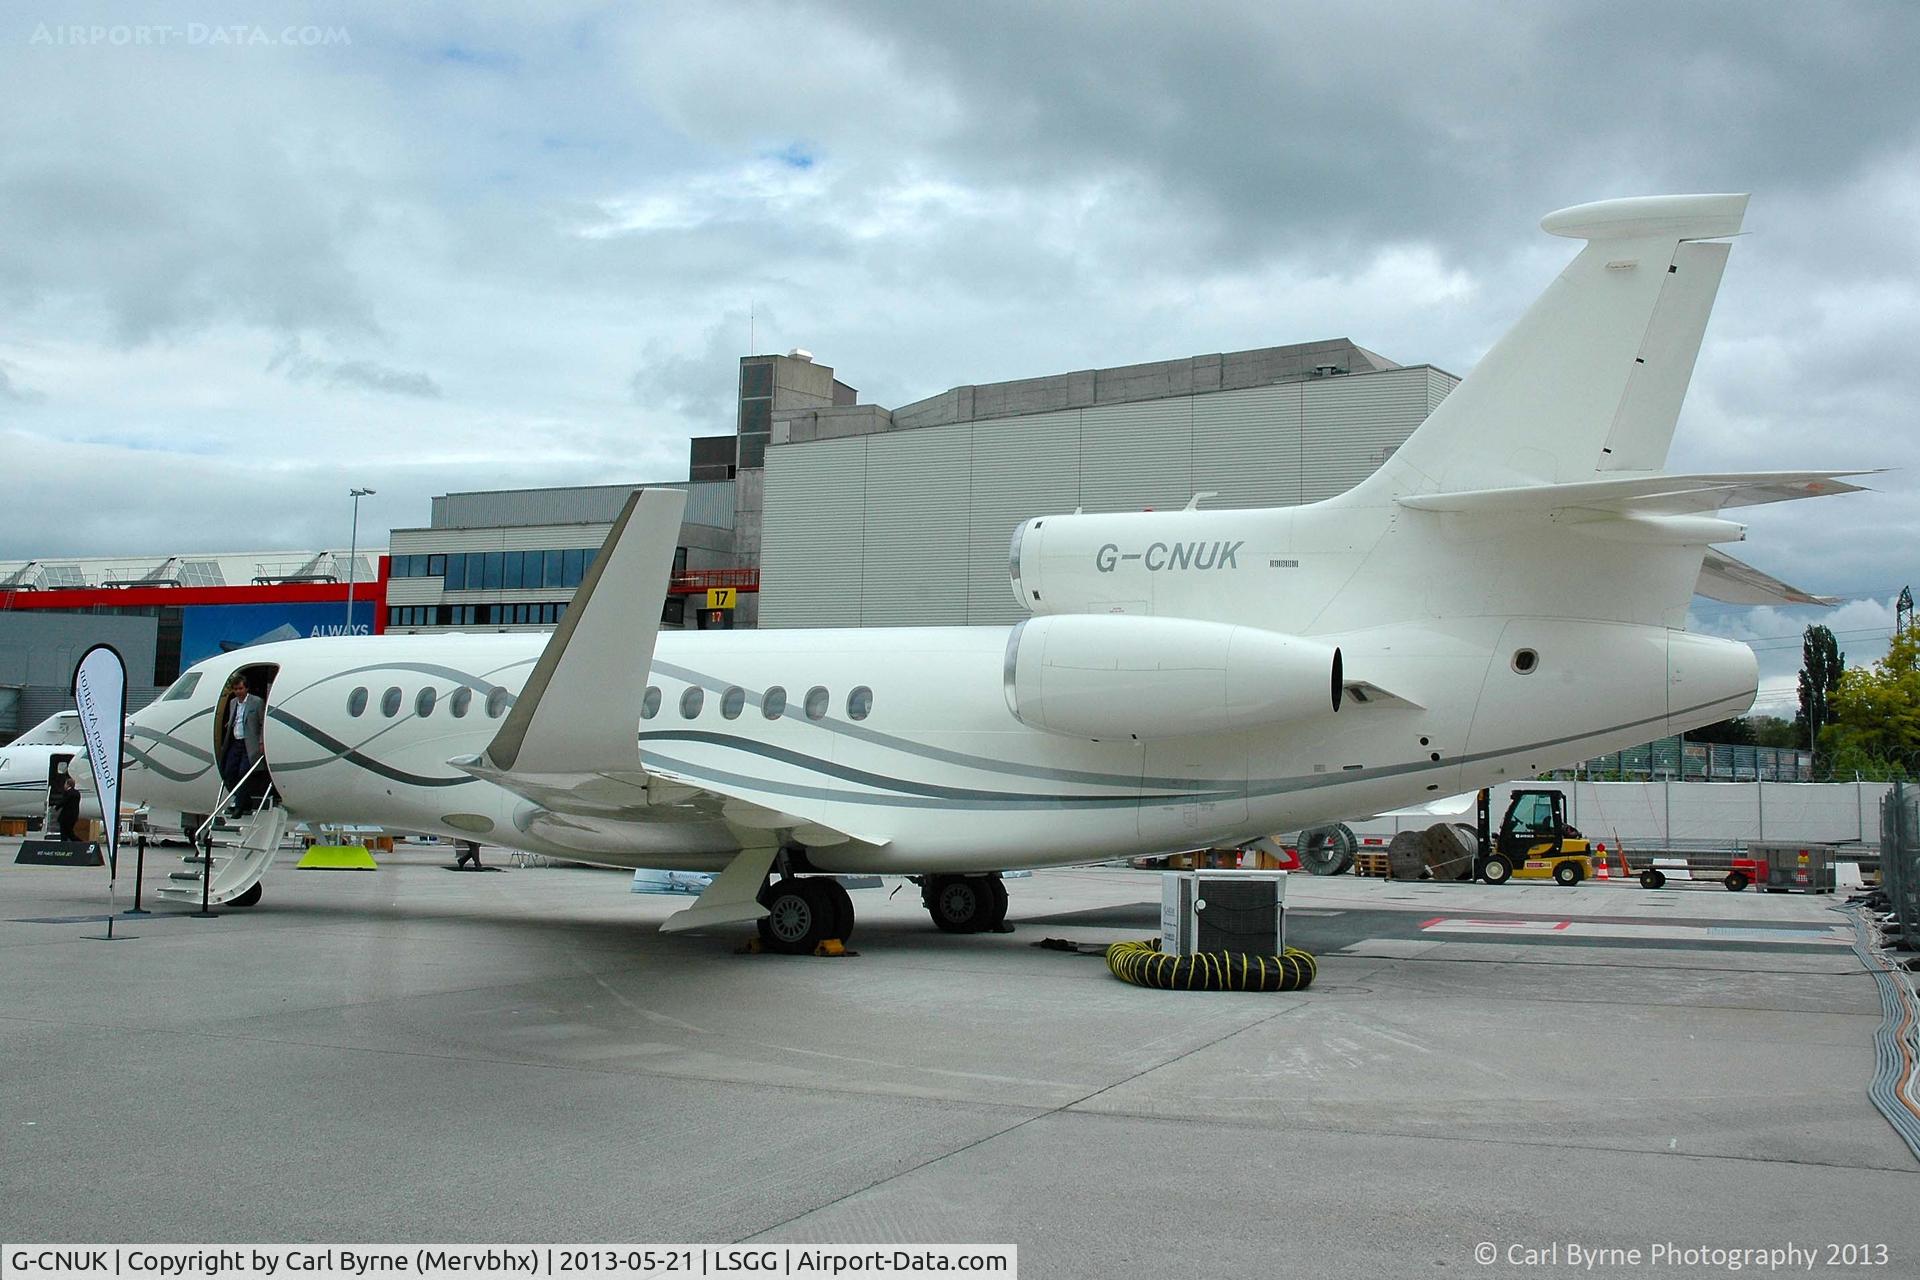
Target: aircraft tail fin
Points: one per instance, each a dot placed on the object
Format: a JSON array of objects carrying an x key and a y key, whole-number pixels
[{"x": 1591, "y": 378}]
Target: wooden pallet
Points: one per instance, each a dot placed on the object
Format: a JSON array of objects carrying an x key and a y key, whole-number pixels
[{"x": 1370, "y": 864}]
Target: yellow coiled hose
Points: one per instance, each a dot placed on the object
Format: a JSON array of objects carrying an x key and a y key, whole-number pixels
[{"x": 1142, "y": 964}]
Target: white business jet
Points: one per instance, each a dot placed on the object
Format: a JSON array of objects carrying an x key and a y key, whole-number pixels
[
  {"x": 1506, "y": 594},
  {"x": 35, "y": 761}
]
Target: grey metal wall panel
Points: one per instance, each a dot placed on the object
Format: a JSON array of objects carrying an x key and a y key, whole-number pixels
[
  {"x": 914, "y": 558},
  {"x": 1352, "y": 425},
  {"x": 1247, "y": 446},
  {"x": 813, "y": 529},
  {"x": 1136, "y": 455},
  {"x": 1022, "y": 467}
]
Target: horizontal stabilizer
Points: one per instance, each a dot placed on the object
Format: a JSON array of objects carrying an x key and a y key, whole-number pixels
[
  {"x": 1650, "y": 495},
  {"x": 1735, "y": 582}
]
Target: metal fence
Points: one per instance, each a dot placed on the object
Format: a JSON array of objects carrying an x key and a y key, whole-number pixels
[
  {"x": 1677, "y": 759},
  {"x": 1900, "y": 858}
]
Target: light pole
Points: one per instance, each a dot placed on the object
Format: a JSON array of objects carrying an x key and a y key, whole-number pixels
[{"x": 353, "y": 550}]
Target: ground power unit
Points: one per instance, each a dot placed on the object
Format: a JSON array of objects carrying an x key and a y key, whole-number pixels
[{"x": 1240, "y": 912}]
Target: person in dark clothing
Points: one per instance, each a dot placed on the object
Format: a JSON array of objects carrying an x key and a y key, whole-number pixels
[
  {"x": 68, "y": 806},
  {"x": 469, "y": 852}
]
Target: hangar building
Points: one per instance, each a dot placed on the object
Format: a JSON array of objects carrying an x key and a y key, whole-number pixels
[{"x": 874, "y": 517}]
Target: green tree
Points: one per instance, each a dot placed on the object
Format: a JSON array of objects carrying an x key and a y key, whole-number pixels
[
  {"x": 1821, "y": 666},
  {"x": 1737, "y": 730},
  {"x": 1875, "y": 729},
  {"x": 1773, "y": 731}
]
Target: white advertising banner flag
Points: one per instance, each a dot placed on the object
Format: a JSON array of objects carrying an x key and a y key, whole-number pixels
[{"x": 100, "y": 696}]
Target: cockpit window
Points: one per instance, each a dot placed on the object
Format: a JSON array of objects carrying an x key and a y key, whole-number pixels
[{"x": 182, "y": 689}]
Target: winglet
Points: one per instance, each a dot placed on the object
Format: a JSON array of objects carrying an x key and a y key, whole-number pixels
[{"x": 580, "y": 709}]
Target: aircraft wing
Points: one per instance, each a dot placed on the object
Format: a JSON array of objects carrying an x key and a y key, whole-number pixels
[
  {"x": 1734, "y": 581},
  {"x": 1644, "y": 495},
  {"x": 570, "y": 743}
]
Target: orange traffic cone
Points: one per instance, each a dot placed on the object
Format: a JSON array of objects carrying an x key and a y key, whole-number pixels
[{"x": 1602, "y": 851}]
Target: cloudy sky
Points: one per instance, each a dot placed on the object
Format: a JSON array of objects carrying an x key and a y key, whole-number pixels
[{"x": 429, "y": 248}]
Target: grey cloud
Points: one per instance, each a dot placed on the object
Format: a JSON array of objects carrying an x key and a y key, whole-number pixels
[
  {"x": 13, "y": 393},
  {"x": 698, "y": 383},
  {"x": 363, "y": 374}
]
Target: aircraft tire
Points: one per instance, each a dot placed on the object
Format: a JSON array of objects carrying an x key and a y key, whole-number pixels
[
  {"x": 958, "y": 904},
  {"x": 800, "y": 916},
  {"x": 996, "y": 905},
  {"x": 248, "y": 898},
  {"x": 1498, "y": 870},
  {"x": 842, "y": 903}
]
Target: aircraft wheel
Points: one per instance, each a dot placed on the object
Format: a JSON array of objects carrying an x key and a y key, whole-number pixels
[
  {"x": 1567, "y": 873},
  {"x": 1735, "y": 882},
  {"x": 1498, "y": 870},
  {"x": 996, "y": 905},
  {"x": 958, "y": 904},
  {"x": 1652, "y": 879},
  {"x": 800, "y": 916},
  {"x": 842, "y": 903},
  {"x": 247, "y": 899}
]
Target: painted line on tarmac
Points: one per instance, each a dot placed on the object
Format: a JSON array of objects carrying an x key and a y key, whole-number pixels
[{"x": 1557, "y": 929}]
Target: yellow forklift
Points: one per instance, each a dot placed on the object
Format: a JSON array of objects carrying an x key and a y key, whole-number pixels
[{"x": 1534, "y": 841}]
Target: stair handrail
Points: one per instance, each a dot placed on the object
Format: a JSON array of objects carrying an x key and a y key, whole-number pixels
[{"x": 200, "y": 835}]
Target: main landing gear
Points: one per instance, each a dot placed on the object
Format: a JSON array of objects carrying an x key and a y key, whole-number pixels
[
  {"x": 805, "y": 911},
  {"x": 965, "y": 904}
]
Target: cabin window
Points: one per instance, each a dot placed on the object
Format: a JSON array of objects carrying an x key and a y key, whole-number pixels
[
  {"x": 497, "y": 699},
  {"x": 691, "y": 701},
  {"x": 1525, "y": 660},
  {"x": 816, "y": 702},
  {"x": 390, "y": 702},
  {"x": 357, "y": 702},
  {"x": 773, "y": 702},
  {"x": 650, "y": 702},
  {"x": 859, "y": 702},
  {"x": 732, "y": 702},
  {"x": 423, "y": 702},
  {"x": 183, "y": 688},
  {"x": 462, "y": 699}
]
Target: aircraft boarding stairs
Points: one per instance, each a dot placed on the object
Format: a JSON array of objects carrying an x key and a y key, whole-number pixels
[{"x": 234, "y": 869}]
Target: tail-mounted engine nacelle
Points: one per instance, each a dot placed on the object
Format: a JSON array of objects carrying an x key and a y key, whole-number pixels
[{"x": 1120, "y": 676}]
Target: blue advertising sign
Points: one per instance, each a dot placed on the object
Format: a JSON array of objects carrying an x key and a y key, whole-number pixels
[{"x": 207, "y": 630}]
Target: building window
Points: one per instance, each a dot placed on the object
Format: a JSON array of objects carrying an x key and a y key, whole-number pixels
[
  {"x": 859, "y": 703},
  {"x": 773, "y": 702},
  {"x": 550, "y": 572},
  {"x": 436, "y": 566},
  {"x": 390, "y": 703},
  {"x": 816, "y": 702},
  {"x": 512, "y": 568},
  {"x": 573, "y": 566},
  {"x": 732, "y": 701},
  {"x": 691, "y": 701},
  {"x": 462, "y": 699},
  {"x": 357, "y": 702},
  {"x": 650, "y": 702}
]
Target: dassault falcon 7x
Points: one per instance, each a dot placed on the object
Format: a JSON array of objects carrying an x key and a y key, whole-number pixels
[{"x": 1507, "y": 593}]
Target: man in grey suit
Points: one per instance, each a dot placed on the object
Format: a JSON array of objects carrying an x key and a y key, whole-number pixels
[{"x": 242, "y": 713}]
